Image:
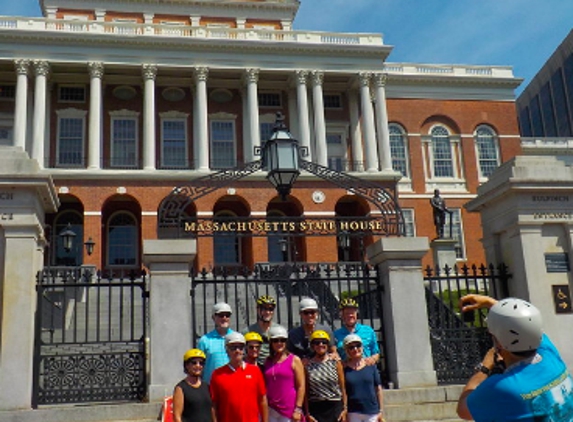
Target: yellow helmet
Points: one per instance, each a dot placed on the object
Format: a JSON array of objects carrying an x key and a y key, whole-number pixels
[
  {"x": 193, "y": 353},
  {"x": 252, "y": 336},
  {"x": 266, "y": 300},
  {"x": 319, "y": 334}
]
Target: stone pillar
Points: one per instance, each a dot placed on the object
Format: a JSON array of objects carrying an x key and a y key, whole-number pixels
[
  {"x": 385, "y": 154},
  {"x": 201, "y": 122},
  {"x": 25, "y": 196},
  {"x": 94, "y": 140},
  {"x": 404, "y": 310},
  {"x": 319, "y": 123},
  {"x": 149, "y": 73},
  {"x": 292, "y": 113},
  {"x": 41, "y": 70},
  {"x": 303, "y": 113},
  {"x": 368, "y": 123},
  {"x": 444, "y": 253},
  {"x": 355, "y": 132},
  {"x": 170, "y": 325},
  {"x": 21, "y": 106},
  {"x": 254, "y": 140}
]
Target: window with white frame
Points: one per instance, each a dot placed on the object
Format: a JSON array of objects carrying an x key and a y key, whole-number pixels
[
  {"x": 336, "y": 135},
  {"x": 266, "y": 131},
  {"x": 223, "y": 153},
  {"x": 455, "y": 216},
  {"x": 72, "y": 94},
  {"x": 398, "y": 149},
  {"x": 486, "y": 142},
  {"x": 269, "y": 99},
  {"x": 442, "y": 156},
  {"x": 409, "y": 222},
  {"x": 122, "y": 240},
  {"x": 70, "y": 143},
  {"x": 124, "y": 135},
  {"x": 174, "y": 142},
  {"x": 227, "y": 246}
]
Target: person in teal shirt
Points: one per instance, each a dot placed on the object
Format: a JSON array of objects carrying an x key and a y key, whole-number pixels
[
  {"x": 350, "y": 325},
  {"x": 213, "y": 343}
]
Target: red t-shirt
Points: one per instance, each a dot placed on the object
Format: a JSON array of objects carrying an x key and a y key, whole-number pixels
[{"x": 236, "y": 393}]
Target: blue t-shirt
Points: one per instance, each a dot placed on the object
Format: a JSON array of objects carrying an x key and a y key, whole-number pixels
[
  {"x": 540, "y": 391},
  {"x": 213, "y": 344},
  {"x": 366, "y": 333},
  {"x": 361, "y": 388}
]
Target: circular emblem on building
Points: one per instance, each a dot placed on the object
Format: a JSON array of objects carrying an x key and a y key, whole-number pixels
[{"x": 318, "y": 196}]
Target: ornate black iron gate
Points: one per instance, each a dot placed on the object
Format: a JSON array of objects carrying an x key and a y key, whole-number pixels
[
  {"x": 288, "y": 283},
  {"x": 459, "y": 341},
  {"x": 90, "y": 337}
]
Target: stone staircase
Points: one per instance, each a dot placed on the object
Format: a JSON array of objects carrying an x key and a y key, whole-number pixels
[{"x": 433, "y": 404}]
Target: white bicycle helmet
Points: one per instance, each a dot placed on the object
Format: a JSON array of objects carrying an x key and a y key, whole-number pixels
[
  {"x": 307, "y": 303},
  {"x": 277, "y": 331},
  {"x": 516, "y": 324}
]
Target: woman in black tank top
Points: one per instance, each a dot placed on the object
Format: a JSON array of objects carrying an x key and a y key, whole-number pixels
[{"x": 191, "y": 397}]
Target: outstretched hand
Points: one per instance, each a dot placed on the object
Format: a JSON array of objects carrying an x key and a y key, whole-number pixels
[{"x": 472, "y": 302}]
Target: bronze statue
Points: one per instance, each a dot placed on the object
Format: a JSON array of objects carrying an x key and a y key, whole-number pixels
[{"x": 439, "y": 207}]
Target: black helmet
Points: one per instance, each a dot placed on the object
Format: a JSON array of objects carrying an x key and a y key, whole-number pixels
[{"x": 348, "y": 303}]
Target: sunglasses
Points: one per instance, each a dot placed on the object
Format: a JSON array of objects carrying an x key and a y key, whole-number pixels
[
  {"x": 268, "y": 308},
  {"x": 309, "y": 312},
  {"x": 252, "y": 347},
  {"x": 319, "y": 342},
  {"x": 234, "y": 347},
  {"x": 278, "y": 340},
  {"x": 354, "y": 346},
  {"x": 197, "y": 362},
  {"x": 224, "y": 315}
]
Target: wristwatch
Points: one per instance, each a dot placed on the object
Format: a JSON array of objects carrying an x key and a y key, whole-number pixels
[{"x": 480, "y": 367}]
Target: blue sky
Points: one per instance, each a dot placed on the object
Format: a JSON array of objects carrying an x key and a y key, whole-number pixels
[{"x": 517, "y": 33}]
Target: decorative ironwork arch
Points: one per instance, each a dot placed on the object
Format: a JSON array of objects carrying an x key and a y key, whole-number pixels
[{"x": 172, "y": 210}]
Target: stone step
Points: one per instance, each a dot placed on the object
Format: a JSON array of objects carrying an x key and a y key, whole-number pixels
[{"x": 422, "y": 404}]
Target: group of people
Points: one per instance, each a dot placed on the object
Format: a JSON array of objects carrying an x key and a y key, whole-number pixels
[{"x": 267, "y": 374}]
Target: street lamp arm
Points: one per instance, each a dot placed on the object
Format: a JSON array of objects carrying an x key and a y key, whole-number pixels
[{"x": 376, "y": 194}]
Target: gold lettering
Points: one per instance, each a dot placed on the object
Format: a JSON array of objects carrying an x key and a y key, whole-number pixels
[
  {"x": 190, "y": 227},
  {"x": 242, "y": 227},
  {"x": 354, "y": 225}
]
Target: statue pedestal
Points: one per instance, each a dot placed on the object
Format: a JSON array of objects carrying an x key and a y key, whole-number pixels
[{"x": 444, "y": 252}]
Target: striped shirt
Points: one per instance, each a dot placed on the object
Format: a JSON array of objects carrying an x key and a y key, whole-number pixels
[{"x": 323, "y": 382}]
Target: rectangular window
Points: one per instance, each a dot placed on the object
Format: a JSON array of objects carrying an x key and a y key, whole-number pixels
[
  {"x": 561, "y": 108},
  {"x": 72, "y": 94},
  {"x": 7, "y": 92},
  {"x": 409, "y": 223},
  {"x": 269, "y": 99},
  {"x": 456, "y": 224},
  {"x": 124, "y": 142},
  {"x": 70, "y": 147},
  {"x": 332, "y": 101},
  {"x": 442, "y": 154},
  {"x": 266, "y": 131},
  {"x": 336, "y": 151},
  {"x": 174, "y": 144},
  {"x": 223, "y": 144},
  {"x": 5, "y": 135}
]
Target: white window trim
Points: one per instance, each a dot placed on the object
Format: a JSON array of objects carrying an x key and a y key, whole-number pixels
[
  {"x": 60, "y": 100},
  {"x": 458, "y": 211},
  {"x": 223, "y": 117},
  {"x": 481, "y": 177},
  {"x": 124, "y": 115},
  {"x": 406, "y": 179},
  {"x": 71, "y": 113},
  {"x": 175, "y": 116},
  {"x": 412, "y": 212},
  {"x": 342, "y": 129},
  {"x": 279, "y": 93},
  {"x": 457, "y": 182}
]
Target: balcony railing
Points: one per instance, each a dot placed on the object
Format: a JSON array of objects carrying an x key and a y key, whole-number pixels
[
  {"x": 541, "y": 146},
  {"x": 185, "y": 31}
]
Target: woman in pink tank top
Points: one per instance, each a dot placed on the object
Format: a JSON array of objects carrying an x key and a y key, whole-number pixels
[{"x": 284, "y": 376}]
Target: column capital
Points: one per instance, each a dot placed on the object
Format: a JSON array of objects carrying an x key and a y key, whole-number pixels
[
  {"x": 41, "y": 68},
  {"x": 364, "y": 78},
  {"x": 22, "y": 66},
  {"x": 301, "y": 77},
  {"x": 380, "y": 80},
  {"x": 96, "y": 69},
  {"x": 252, "y": 75},
  {"x": 317, "y": 77},
  {"x": 201, "y": 74},
  {"x": 149, "y": 71}
]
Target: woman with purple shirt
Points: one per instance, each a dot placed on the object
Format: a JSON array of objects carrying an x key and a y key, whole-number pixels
[{"x": 284, "y": 376}]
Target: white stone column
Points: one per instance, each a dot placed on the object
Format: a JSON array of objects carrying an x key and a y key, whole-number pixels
[
  {"x": 252, "y": 79},
  {"x": 41, "y": 70},
  {"x": 246, "y": 125},
  {"x": 368, "y": 123},
  {"x": 355, "y": 132},
  {"x": 293, "y": 114},
  {"x": 319, "y": 123},
  {"x": 201, "y": 122},
  {"x": 149, "y": 73},
  {"x": 21, "y": 106},
  {"x": 385, "y": 154},
  {"x": 302, "y": 98},
  {"x": 94, "y": 140}
]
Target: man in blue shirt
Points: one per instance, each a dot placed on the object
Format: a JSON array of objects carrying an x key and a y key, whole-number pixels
[
  {"x": 213, "y": 343},
  {"x": 522, "y": 378},
  {"x": 350, "y": 325}
]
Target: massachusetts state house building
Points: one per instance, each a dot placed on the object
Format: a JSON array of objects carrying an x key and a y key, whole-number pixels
[{"x": 123, "y": 101}]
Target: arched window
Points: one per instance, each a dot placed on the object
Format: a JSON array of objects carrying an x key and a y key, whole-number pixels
[
  {"x": 122, "y": 244},
  {"x": 277, "y": 245},
  {"x": 59, "y": 255},
  {"x": 442, "y": 152},
  {"x": 487, "y": 150},
  {"x": 398, "y": 149},
  {"x": 227, "y": 245}
]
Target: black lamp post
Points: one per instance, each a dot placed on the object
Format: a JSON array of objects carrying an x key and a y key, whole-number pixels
[{"x": 281, "y": 158}]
